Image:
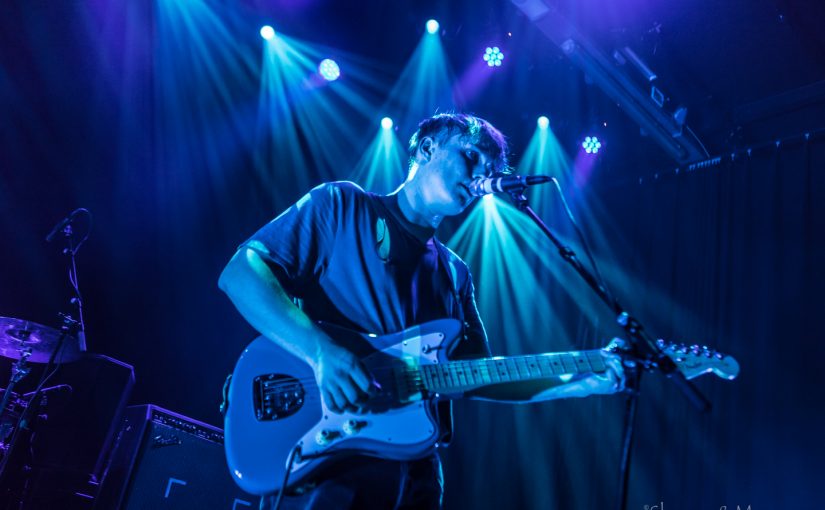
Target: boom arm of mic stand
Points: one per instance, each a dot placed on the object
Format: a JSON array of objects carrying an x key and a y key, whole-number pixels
[{"x": 639, "y": 339}]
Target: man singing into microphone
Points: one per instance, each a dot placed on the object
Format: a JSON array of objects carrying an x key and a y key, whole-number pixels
[{"x": 372, "y": 263}]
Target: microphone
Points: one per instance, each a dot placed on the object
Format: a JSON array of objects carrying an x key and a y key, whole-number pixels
[
  {"x": 62, "y": 224},
  {"x": 504, "y": 183}
]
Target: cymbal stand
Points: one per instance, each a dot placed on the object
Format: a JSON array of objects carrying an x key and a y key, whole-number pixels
[
  {"x": 19, "y": 370},
  {"x": 32, "y": 407}
]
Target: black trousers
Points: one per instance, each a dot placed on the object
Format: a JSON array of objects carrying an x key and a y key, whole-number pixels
[{"x": 369, "y": 483}]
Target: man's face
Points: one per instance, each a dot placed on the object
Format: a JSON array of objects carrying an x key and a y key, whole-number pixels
[{"x": 452, "y": 166}]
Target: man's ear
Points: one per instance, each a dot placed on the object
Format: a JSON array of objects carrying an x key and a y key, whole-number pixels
[{"x": 425, "y": 149}]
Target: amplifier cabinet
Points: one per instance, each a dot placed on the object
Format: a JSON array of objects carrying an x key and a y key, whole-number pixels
[{"x": 163, "y": 460}]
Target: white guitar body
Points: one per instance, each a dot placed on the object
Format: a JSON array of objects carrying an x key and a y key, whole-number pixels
[
  {"x": 262, "y": 428},
  {"x": 275, "y": 408},
  {"x": 412, "y": 427}
]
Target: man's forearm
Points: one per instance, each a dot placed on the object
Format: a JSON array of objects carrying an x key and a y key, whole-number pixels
[
  {"x": 262, "y": 301},
  {"x": 259, "y": 297},
  {"x": 530, "y": 391}
]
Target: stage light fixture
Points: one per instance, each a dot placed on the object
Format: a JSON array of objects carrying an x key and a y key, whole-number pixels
[
  {"x": 329, "y": 70},
  {"x": 493, "y": 56},
  {"x": 543, "y": 122},
  {"x": 386, "y": 123},
  {"x": 591, "y": 145},
  {"x": 267, "y": 32},
  {"x": 432, "y": 26}
]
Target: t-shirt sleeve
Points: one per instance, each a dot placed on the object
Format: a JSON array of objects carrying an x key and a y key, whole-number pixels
[
  {"x": 475, "y": 345},
  {"x": 297, "y": 244}
]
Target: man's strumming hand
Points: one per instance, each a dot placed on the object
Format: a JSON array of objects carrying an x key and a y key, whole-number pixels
[{"x": 342, "y": 378}]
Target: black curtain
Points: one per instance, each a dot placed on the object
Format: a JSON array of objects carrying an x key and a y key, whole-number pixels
[{"x": 730, "y": 256}]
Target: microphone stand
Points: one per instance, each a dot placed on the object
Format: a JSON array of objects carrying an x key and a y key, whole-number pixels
[
  {"x": 643, "y": 349},
  {"x": 66, "y": 230}
]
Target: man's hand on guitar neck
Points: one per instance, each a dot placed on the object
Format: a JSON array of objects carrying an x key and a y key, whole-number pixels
[
  {"x": 551, "y": 388},
  {"x": 611, "y": 381}
]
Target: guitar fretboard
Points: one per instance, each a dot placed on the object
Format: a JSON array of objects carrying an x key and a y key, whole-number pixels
[{"x": 459, "y": 376}]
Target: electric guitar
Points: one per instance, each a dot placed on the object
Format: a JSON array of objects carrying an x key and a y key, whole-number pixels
[{"x": 274, "y": 408}]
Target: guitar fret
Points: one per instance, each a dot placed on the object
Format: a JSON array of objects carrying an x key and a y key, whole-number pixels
[
  {"x": 458, "y": 380},
  {"x": 501, "y": 369},
  {"x": 454, "y": 378},
  {"x": 533, "y": 367},
  {"x": 596, "y": 361},
  {"x": 510, "y": 366},
  {"x": 468, "y": 373},
  {"x": 434, "y": 377},
  {"x": 558, "y": 368},
  {"x": 582, "y": 365},
  {"x": 529, "y": 367},
  {"x": 547, "y": 369},
  {"x": 472, "y": 366},
  {"x": 494, "y": 371},
  {"x": 483, "y": 369},
  {"x": 491, "y": 370},
  {"x": 468, "y": 370},
  {"x": 427, "y": 376},
  {"x": 461, "y": 375},
  {"x": 569, "y": 364},
  {"x": 521, "y": 368}
]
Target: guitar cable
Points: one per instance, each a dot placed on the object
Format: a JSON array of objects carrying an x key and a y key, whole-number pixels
[{"x": 296, "y": 451}]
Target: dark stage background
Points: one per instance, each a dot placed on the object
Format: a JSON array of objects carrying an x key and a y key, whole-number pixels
[{"x": 104, "y": 106}]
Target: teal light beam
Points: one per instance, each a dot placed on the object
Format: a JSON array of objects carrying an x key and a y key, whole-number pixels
[
  {"x": 424, "y": 86},
  {"x": 309, "y": 125},
  {"x": 199, "y": 130},
  {"x": 383, "y": 166}
]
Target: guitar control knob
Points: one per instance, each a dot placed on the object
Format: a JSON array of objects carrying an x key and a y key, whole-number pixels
[
  {"x": 325, "y": 437},
  {"x": 353, "y": 426}
]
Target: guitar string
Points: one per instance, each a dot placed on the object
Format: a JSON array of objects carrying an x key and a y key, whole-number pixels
[
  {"x": 413, "y": 381},
  {"x": 455, "y": 369},
  {"x": 413, "y": 384},
  {"x": 455, "y": 373}
]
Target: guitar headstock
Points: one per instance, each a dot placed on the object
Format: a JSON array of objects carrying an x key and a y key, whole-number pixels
[{"x": 696, "y": 360}]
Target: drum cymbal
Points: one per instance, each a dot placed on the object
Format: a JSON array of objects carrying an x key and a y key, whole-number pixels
[{"x": 18, "y": 336}]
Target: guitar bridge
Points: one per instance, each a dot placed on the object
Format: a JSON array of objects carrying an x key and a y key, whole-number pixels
[{"x": 276, "y": 396}]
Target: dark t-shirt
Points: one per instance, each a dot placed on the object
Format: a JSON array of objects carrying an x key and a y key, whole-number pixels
[{"x": 355, "y": 261}]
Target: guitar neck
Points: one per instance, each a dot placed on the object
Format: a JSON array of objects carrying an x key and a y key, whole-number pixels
[{"x": 460, "y": 376}]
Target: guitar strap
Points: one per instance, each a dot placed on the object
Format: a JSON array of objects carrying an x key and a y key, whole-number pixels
[{"x": 444, "y": 409}]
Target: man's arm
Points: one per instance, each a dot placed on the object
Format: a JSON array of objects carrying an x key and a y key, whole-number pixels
[
  {"x": 477, "y": 346},
  {"x": 259, "y": 297}
]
